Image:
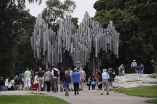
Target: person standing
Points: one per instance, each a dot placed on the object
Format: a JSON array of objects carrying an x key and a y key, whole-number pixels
[
  {"x": 52, "y": 80},
  {"x": 11, "y": 84},
  {"x": 1, "y": 84},
  {"x": 89, "y": 83},
  {"x": 121, "y": 70},
  {"x": 55, "y": 79},
  {"x": 76, "y": 80},
  {"x": 47, "y": 79},
  {"x": 83, "y": 77},
  {"x": 67, "y": 82},
  {"x": 35, "y": 84},
  {"x": 62, "y": 78},
  {"x": 21, "y": 81},
  {"x": 99, "y": 82},
  {"x": 140, "y": 69},
  {"x": 134, "y": 66},
  {"x": 112, "y": 75},
  {"x": 41, "y": 79},
  {"x": 93, "y": 83},
  {"x": 105, "y": 83},
  {"x": 27, "y": 79},
  {"x": 71, "y": 84},
  {"x": 6, "y": 83}
]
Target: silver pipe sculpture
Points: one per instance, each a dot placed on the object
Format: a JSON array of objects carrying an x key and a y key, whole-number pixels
[{"x": 45, "y": 42}]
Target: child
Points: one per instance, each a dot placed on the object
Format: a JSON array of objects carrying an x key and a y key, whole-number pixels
[
  {"x": 93, "y": 83},
  {"x": 35, "y": 85},
  {"x": 89, "y": 83}
]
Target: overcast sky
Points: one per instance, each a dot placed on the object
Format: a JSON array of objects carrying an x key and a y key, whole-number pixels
[{"x": 81, "y": 7}]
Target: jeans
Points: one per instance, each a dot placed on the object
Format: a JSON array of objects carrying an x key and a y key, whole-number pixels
[
  {"x": 48, "y": 85},
  {"x": 76, "y": 88}
]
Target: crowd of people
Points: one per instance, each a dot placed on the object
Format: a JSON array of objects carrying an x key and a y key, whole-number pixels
[
  {"x": 102, "y": 80},
  {"x": 52, "y": 79},
  {"x": 56, "y": 80}
]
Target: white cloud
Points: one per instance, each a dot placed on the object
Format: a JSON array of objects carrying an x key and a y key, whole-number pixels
[
  {"x": 36, "y": 9},
  {"x": 81, "y": 7}
]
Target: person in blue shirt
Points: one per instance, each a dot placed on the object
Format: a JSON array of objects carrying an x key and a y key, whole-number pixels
[
  {"x": 76, "y": 80},
  {"x": 67, "y": 82}
]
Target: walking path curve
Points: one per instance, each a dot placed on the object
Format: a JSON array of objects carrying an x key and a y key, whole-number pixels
[
  {"x": 89, "y": 97},
  {"x": 95, "y": 97}
]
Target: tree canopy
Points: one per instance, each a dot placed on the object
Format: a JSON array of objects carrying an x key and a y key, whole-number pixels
[
  {"x": 16, "y": 26},
  {"x": 57, "y": 9},
  {"x": 136, "y": 22}
]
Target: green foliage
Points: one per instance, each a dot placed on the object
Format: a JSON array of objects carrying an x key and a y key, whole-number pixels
[
  {"x": 57, "y": 9},
  {"x": 147, "y": 91},
  {"x": 16, "y": 26},
  {"x": 24, "y": 53},
  {"x": 154, "y": 75},
  {"x": 136, "y": 22},
  {"x": 30, "y": 100}
]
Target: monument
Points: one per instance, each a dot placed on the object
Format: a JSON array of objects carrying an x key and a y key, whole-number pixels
[{"x": 49, "y": 46}]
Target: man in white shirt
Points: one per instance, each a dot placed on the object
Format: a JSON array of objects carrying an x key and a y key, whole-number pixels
[
  {"x": 105, "y": 83},
  {"x": 6, "y": 83},
  {"x": 27, "y": 79},
  {"x": 134, "y": 65},
  {"x": 55, "y": 74}
]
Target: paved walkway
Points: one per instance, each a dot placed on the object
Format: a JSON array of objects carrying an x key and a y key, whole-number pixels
[
  {"x": 95, "y": 97},
  {"x": 89, "y": 97},
  {"x": 131, "y": 80}
]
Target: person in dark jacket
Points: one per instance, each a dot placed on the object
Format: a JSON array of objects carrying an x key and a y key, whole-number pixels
[
  {"x": 2, "y": 83},
  {"x": 112, "y": 76},
  {"x": 93, "y": 83}
]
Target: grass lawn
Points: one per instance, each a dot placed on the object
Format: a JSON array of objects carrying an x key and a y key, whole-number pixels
[
  {"x": 147, "y": 91},
  {"x": 154, "y": 101},
  {"x": 30, "y": 100}
]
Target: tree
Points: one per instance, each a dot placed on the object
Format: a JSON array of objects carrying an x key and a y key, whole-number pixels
[
  {"x": 11, "y": 30},
  {"x": 136, "y": 22},
  {"x": 57, "y": 9},
  {"x": 23, "y": 49}
]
